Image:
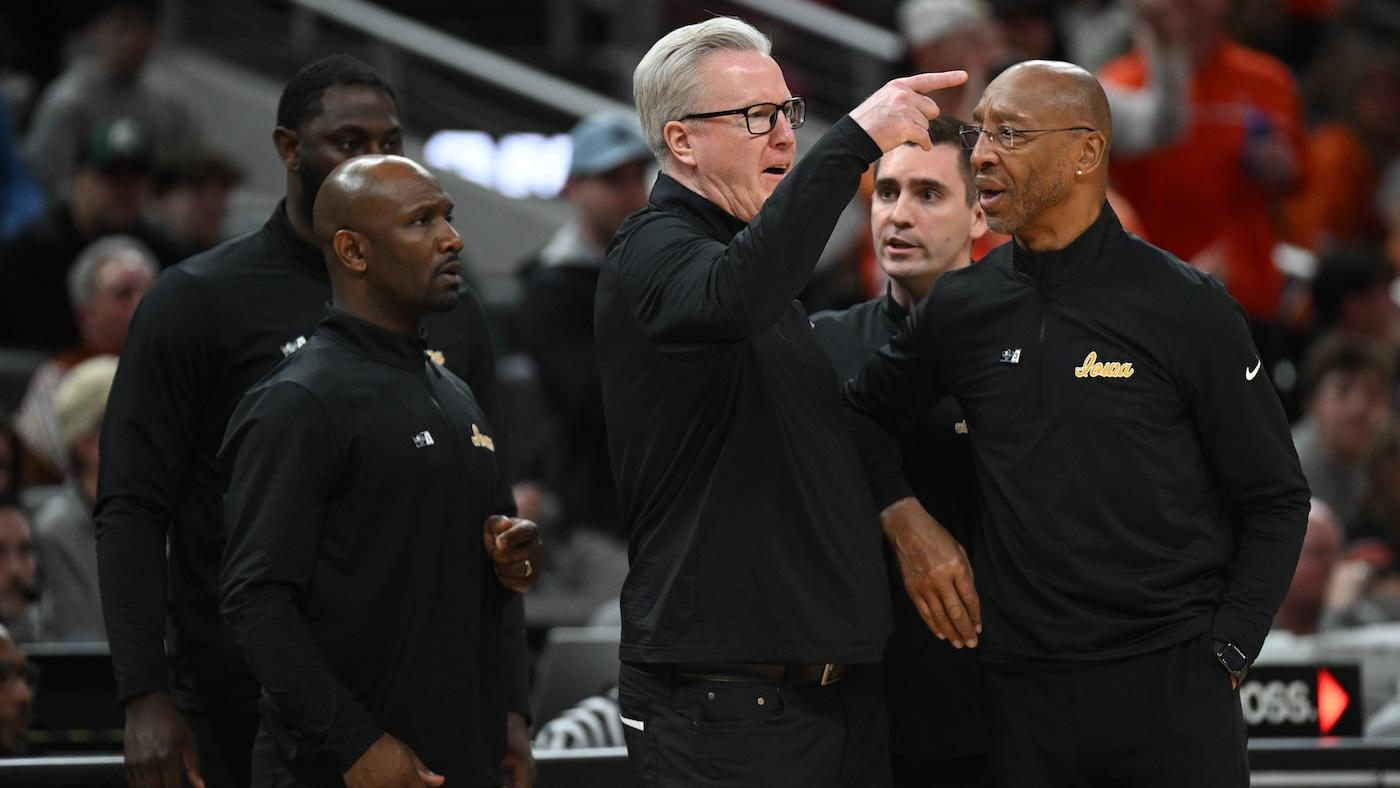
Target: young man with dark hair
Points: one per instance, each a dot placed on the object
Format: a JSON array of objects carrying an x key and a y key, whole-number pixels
[
  {"x": 206, "y": 332},
  {"x": 924, "y": 218}
]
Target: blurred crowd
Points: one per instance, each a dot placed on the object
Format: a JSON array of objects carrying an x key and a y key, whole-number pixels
[{"x": 1256, "y": 139}]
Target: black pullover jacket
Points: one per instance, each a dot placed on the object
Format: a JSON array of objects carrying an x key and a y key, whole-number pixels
[
  {"x": 208, "y": 330},
  {"x": 1138, "y": 479},
  {"x": 355, "y": 581},
  {"x": 923, "y": 675},
  {"x": 751, "y": 534}
]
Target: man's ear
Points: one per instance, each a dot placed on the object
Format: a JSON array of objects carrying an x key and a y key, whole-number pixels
[
  {"x": 678, "y": 140},
  {"x": 288, "y": 144},
  {"x": 979, "y": 222},
  {"x": 350, "y": 250},
  {"x": 1093, "y": 153}
]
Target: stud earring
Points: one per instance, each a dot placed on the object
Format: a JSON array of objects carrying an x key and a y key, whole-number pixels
[{"x": 1078, "y": 172}]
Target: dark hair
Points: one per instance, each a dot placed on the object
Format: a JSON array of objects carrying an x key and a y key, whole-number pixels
[
  {"x": 1346, "y": 272},
  {"x": 301, "y": 98},
  {"x": 943, "y": 130},
  {"x": 1345, "y": 353}
]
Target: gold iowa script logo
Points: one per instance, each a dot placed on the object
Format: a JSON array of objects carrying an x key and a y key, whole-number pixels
[
  {"x": 1093, "y": 368},
  {"x": 482, "y": 440}
]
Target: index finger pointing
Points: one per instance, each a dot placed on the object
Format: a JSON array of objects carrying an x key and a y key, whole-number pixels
[{"x": 934, "y": 80}]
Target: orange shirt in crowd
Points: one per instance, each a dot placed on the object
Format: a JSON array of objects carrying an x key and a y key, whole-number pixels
[
  {"x": 1197, "y": 191},
  {"x": 1336, "y": 203}
]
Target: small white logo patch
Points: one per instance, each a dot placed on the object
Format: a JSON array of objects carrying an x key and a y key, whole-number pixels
[
  {"x": 288, "y": 348},
  {"x": 423, "y": 439},
  {"x": 631, "y": 723},
  {"x": 1250, "y": 373},
  {"x": 1011, "y": 356}
]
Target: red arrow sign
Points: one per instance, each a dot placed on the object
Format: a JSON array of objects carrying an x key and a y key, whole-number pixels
[{"x": 1332, "y": 701}]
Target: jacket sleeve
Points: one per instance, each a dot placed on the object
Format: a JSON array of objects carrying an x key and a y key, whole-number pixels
[
  {"x": 148, "y": 441},
  {"x": 692, "y": 294},
  {"x": 899, "y": 380},
  {"x": 1245, "y": 438},
  {"x": 282, "y": 460}
]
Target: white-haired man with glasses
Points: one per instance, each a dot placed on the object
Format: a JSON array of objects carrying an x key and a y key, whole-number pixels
[
  {"x": 755, "y": 612},
  {"x": 1143, "y": 507}
]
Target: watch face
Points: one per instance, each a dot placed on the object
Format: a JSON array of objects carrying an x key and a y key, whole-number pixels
[{"x": 1232, "y": 658}]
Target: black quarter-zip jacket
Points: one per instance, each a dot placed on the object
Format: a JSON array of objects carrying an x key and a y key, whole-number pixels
[
  {"x": 919, "y": 669},
  {"x": 355, "y": 581},
  {"x": 208, "y": 330},
  {"x": 751, "y": 535},
  {"x": 1135, "y": 467}
]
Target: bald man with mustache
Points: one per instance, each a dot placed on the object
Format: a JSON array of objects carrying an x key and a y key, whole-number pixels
[
  {"x": 1143, "y": 505},
  {"x": 368, "y": 570}
]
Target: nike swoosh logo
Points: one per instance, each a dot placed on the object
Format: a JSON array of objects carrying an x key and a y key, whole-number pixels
[{"x": 1250, "y": 373}]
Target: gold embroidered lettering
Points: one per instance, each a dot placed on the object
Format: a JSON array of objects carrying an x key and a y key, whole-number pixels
[
  {"x": 482, "y": 440},
  {"x": 1093, "y": 368}
]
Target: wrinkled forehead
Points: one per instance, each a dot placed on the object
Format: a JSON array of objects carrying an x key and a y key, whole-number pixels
[
  {"x": 729, "y": 80},
  {"x": 1022, "y": 99}
]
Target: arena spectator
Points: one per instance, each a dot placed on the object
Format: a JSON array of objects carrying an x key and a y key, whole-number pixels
[
  {"x": 942, "y": 35},
  {"x": 1347, "y": 382},
  {"x": 63, "y": 529},
  {"x": 1348, "y": 151},
  {"x": 109, "y": 81},
  {"x": 20, "y": 198},
  {"x": 1376, "y": 538},
  {"x": 190, "y": 200},
  {"x": 19, "y": 572},
  {"x": 9, "y": 457},
  {"x": 1326, "y": 592},
  {"x": 17, "y": 684},
  {"x": 1351, "y": 293},
  {"x": 108, "y": 186},
  {"x": 105, "y": 284},
  {"x": 554, "y": 326},
  {"x": 1210, "y": 197},
  {"x": 1388, "y": 204}
]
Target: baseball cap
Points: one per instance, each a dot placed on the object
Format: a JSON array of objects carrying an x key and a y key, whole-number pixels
[
  {"x": 604, "y": 140},
  {"x": 115, "y": 144},
  {"x": 82, "y": 396},
  {"x": 922, "y": 21}
]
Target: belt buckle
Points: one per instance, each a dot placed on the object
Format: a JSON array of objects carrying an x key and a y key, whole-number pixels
[{"x": 830, "y": 673}]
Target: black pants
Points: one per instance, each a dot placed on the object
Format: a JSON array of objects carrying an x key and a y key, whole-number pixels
[
  {"x": 1166, "y": 719},
  {"x": 714, "y": 734},
  {"x": 225, "y": 747}
]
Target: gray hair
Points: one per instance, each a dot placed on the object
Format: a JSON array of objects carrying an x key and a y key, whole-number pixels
[
  {"x": 666, "y": 83},
  {"x": 83, "y": 275}
]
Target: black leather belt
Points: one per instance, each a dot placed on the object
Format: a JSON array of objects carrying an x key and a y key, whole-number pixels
[{"x": 820, "y": 675}]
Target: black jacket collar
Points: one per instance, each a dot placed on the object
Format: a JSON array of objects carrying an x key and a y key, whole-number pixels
[
  {"x": 1048, "y": 269},
  {"x": 405, "y": 351},
  {"x": 670, "y": 195},
  {"x": 891, "y": 309},
  {"x": 306, "y": 255}
]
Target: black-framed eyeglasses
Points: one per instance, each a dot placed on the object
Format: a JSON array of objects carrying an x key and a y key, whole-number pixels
[
  {"x": 761, "y": 118},
  {"x": 10, "y": 671},
  {"x": 1005, "y": 136}
]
